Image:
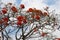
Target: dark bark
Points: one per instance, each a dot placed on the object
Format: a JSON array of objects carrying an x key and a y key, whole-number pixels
[
  {"x": 29, "y": 32},
  {"x": 16, "y": 34},
  {"x": 6, "y": 38},
  {"x": 23, "y": 37},
  {"x": 2, "y": 36}
]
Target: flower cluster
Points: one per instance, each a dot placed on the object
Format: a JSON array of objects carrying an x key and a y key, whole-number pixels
[{"x": 32, "y": 15}]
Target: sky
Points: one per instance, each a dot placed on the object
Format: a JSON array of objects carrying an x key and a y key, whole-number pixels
[{"x": 39, "y": 4}]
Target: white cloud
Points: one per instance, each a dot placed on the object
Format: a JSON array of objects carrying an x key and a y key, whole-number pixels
[
  {"x": 7, "y": 1},
  {"x": 33, "y": 3},
  {"x": 56, "y": 6},
  {"x": 56, "y": 33},
  {"x": 39, "y": 4}
]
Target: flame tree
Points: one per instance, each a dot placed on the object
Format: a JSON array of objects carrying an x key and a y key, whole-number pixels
[{"x": 28, "y": 23}]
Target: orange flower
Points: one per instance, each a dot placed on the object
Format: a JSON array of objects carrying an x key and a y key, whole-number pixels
[
  {"x": 38, "y": 12},
  {"x": 14, "y": 9},
  {"x": 22, "y": 6}
]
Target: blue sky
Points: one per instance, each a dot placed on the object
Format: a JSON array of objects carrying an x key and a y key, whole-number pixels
[
  {"x": 18, "y": 2},
  {"x": 50, "y": 2},
  {"x": 33, "y": 2}
]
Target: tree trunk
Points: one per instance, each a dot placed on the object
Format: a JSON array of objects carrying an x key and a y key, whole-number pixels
[
  {"x": 16, "y": 34},
  {"x": 23, "y": 37},
  {"x": 6, "y": 38},
  {"x": 2, "y": 36},
  {"x": 1, "y": 32}
]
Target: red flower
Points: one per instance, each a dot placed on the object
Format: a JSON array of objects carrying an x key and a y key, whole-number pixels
[
  {"x": 24, "y": 21},
  {"x": 30, "y": 10},
  {"x": 37, "y": 17},
  {"x": 19, "y": 23},
  {"x": 5, "y": 19},
  {"x": 4, "y": 10},
  {"x": 22, "y": 6},
  {"x": 14, "y": 9},
  {"x": 20, "y": 18}
]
